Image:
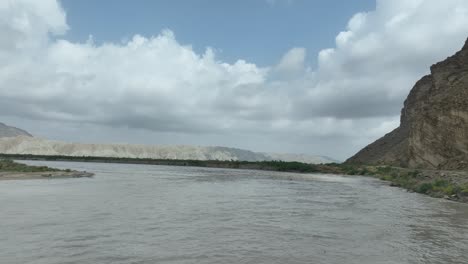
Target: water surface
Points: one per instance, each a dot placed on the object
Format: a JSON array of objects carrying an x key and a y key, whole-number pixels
[{"x": 162, "y": 214}]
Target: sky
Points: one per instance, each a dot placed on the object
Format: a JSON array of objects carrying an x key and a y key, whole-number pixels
[
  {"x": 314, "y": 77},
  {"x": 258, "y": 31}
]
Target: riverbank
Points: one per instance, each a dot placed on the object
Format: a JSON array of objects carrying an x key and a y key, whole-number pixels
[
  {"x": 452, "y": 185},
  {"x": 10, "y": 170},
  {"x": 43, "y": 175},
  {"x": 232, "y": 164}
]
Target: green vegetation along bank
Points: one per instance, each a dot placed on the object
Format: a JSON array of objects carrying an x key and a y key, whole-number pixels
[
  {"x": 10, "y": 170},
  {"x": 444, "y": 184},
  {"x": 451, "y": 185}
]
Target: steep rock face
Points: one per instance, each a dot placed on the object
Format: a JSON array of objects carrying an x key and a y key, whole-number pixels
[
  {"x": 8, "y": 131},
  {"x": 434, "y": 122}
]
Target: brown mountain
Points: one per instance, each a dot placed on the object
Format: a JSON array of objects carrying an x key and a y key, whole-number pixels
[
  {"x": 433, "y": 132},
  {"x": 8, "y": 131}
]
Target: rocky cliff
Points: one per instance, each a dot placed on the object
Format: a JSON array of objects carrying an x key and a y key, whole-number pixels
[
  {"x": 433, "y": 131},
  {"x": 8, "y": 131}
]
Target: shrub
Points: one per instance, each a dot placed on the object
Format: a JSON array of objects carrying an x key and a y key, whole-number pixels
[
  {"x": 424, "y": 188},
  {"x": 384, "y": 169},
  {"x": 441, "y": 183},
  {"x": 414, "y": 173}
]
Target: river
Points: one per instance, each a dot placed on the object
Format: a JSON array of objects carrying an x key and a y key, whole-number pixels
[{"x": 162, "y": 214}]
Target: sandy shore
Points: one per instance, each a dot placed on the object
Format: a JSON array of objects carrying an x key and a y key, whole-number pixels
[{"x": 43, "y": 175}]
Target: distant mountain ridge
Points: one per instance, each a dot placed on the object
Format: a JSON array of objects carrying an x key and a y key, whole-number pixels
[
  {"x": 8, "y": 131},
  {"x": 37, "y": 146}
]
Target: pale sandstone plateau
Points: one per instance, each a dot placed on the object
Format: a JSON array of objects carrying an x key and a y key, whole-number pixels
[{"x": 21, "y": 142}]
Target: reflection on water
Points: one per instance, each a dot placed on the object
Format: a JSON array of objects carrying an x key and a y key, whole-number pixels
[{"x": 159, "y": 214}]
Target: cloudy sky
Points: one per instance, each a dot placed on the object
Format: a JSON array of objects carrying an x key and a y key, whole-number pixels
[{"x": 318, "y": 77}]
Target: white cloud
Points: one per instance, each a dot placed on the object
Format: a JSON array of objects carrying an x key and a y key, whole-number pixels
[
  {"x": 159, "y": 84},
  {"x": 384, "y": 52},
  {"x": 26, "y": 24},
  {"x": 292, "y": 64}
]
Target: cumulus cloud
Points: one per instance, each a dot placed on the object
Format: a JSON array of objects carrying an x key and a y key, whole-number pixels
[
  {"x": 159, "y": 84},
  {"x": 291, "y": 65},
  {"x": 381, "y": 55}
]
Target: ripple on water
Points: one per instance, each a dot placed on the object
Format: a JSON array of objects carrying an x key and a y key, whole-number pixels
[{"x": 161, "y": 214}]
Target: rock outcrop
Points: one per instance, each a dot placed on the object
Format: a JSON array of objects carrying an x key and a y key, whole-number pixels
[
  {"x": 433, "y": 130},
  {"x": 8, "y": 131},
  {"x": 38, "y": 146}
]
